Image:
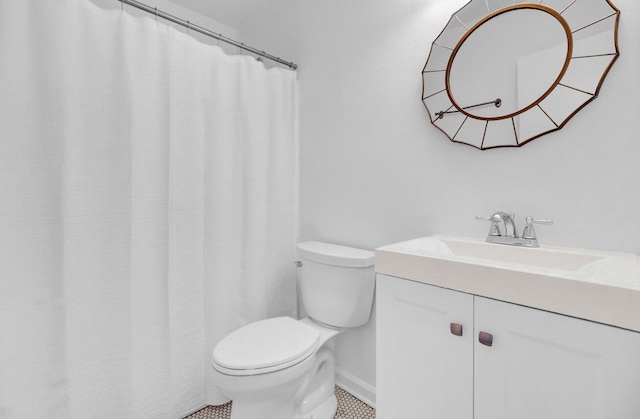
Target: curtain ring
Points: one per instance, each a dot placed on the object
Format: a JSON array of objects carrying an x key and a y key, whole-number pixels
[
  {"x": 122, "y": 5},
  {"x": 156, "y": 10},
  {"x": 188, "y": 27}
]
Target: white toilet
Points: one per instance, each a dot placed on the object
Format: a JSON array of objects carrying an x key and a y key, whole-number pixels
[{"x": 282, "y": 368}]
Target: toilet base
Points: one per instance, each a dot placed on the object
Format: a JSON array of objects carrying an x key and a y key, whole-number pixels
[
  {"x": 268, "y": 409},
  {"x": 326, "y": 410},
  {"x": 317, "y": 399}
]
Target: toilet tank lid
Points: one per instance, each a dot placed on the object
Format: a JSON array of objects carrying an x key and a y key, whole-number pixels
[{"x": 336, "y": 255}]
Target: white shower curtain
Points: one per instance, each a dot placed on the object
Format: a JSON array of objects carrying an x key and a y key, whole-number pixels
[{"x": 147, "y": 208}]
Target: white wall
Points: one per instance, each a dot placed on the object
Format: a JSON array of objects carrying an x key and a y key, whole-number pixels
[{"x": 374, "y": 171}]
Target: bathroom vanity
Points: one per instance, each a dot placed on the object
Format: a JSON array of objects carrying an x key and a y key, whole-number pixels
[{"x": 468, "y": 329}]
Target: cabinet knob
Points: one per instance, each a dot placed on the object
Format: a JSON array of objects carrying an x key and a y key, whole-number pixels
[
  {"x": 456, "y": 329},
  {"x": 485, "y": 338}
]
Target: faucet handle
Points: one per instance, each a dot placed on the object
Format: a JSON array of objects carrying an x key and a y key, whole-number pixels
[
  {"x": 529, "y": 232},
  {"x": 494, "y": 230}
]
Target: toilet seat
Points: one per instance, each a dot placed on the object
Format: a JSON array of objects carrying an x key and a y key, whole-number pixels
[{"x": 265, "y": 346}]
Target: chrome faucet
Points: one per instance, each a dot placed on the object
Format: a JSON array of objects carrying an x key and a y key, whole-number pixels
[
  {"x": 507, "y": 220},
  {"x": 508, "y": 234}
]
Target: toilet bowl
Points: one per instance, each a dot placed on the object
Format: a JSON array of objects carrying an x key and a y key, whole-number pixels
[
  {"x": 285, "y": 370},
  {"x": 282, "y": 368}
]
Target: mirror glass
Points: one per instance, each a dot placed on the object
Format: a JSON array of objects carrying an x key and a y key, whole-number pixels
[
  {"x": 502, "y": 73},
  {"x": 518, "y": 69}
]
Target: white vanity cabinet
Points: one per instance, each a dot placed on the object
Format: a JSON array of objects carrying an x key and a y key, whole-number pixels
[
  {"x": 422, "y": 369},
  {"x": 539, "y": 364}
]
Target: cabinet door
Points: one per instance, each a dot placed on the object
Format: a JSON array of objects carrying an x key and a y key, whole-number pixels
[
  {"x": 423, "y": 370},
  {"x": 545, "y": 365}
]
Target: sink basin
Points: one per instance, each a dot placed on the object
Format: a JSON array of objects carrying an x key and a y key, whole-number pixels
[
  {"x": 490, "y": 253},
  {"x": 548, "y": 257}
]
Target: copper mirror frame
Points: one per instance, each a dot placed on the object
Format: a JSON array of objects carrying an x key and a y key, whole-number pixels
[{"x": 591, "y": 30}]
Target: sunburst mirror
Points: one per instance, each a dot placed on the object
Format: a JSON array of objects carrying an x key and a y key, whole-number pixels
[{"x": 502, "y": 72}]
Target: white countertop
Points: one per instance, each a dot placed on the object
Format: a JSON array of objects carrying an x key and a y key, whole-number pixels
[{"x": 594, "y": 285}]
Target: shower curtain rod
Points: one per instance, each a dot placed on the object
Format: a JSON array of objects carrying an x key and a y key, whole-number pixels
[{"x": 200, "y": 29}]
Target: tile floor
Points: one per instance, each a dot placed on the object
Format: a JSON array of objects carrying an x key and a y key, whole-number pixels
[{"x": 348, "y": 408}]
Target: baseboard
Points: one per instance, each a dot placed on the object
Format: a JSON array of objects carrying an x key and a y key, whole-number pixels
[{"x": 355, "y": 386}]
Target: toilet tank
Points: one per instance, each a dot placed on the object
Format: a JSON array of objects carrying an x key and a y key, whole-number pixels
[{"x": 336, "y": 283}]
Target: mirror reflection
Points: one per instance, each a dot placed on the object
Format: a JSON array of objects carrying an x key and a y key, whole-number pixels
[{"x": 529, "y": 51}]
